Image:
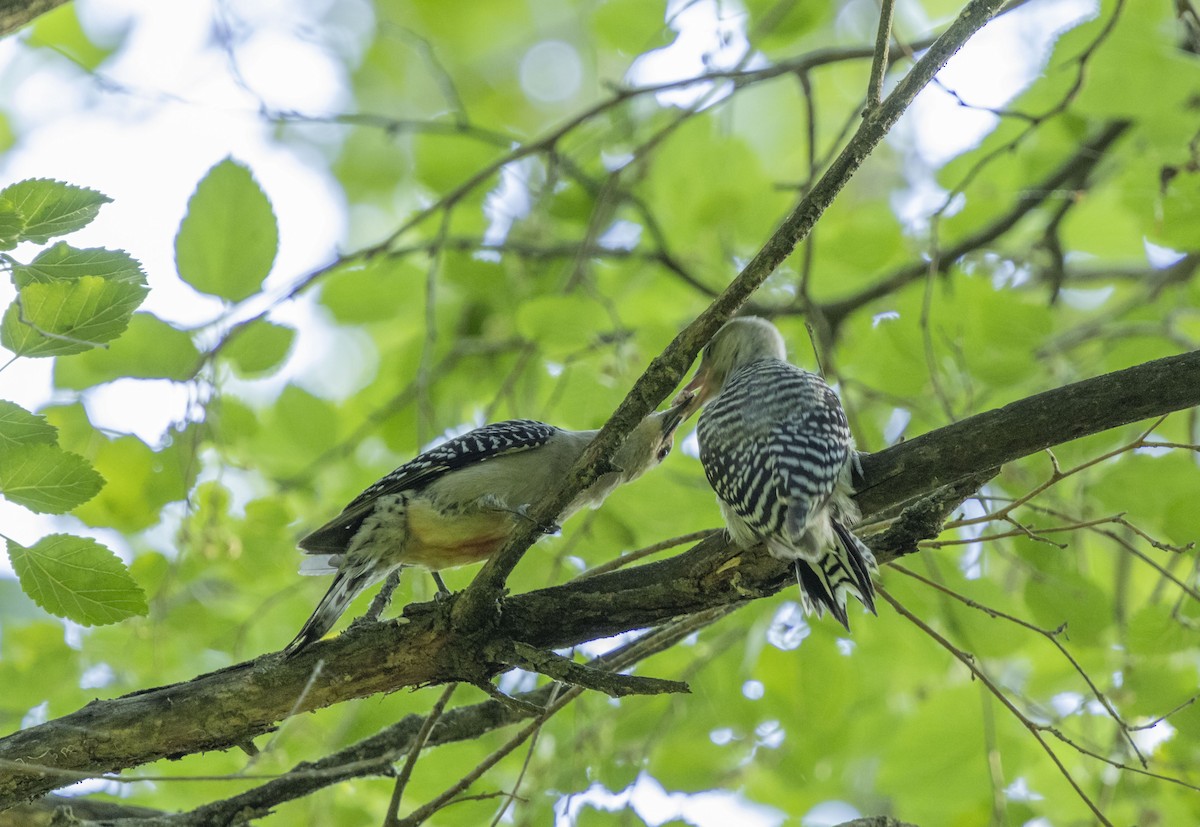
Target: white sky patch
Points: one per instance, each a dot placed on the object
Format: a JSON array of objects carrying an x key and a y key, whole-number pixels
[
  {"x": 1086, "y": 298},
  {"x": 1161, "y": 257},
  {"x": 1019, "y": 790},
  {"x": 508, "y": 202},
  {"x": 970, "y": 562},
  {"x": 1149, "y": 740},
  {"x": 596, "y": 648},
  {"x": 622, "y": 235},
  {"x": 706, "y": 40},
  {"x": 1067, "y": 703},
  {"x": 1014, "y": 47},
  {"x": 885, "y": 316},
  {"x": 145, "y": 408},
  {"x": 788, "y": 627},
  {"x": 654, "y": 805},
  {"x": 893, "y": 429},
  {"x": 551, "y": 72},
  {"x": 829, "y": 814},
  {"x": 722, "y": 736},
  {"x": 753, "y": 690},
  {"x": 770, "y": 734}
]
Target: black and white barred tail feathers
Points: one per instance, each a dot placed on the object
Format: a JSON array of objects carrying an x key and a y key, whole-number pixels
[
  {"x": 479, "y": 445},
  {"x": 347, "y": 584}
]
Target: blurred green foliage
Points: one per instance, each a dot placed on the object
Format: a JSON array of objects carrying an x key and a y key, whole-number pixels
[{"x": 550, "y": 304}]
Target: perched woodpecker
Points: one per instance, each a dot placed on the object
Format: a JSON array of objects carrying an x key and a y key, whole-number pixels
[
  {"x": 776, "y": 448},
  {"x": 459, "y": 503}
]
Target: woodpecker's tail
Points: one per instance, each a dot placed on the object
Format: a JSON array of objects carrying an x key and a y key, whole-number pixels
[
  {"x": 845, "y": 569},
  {"x": 347, "y": 584}
]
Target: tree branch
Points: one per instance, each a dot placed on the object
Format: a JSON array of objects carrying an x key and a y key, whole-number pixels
[
  {"x": 226, "y": 708},
  {"x": 666, "y": 370},
  {"x": 16, "y": 13}
]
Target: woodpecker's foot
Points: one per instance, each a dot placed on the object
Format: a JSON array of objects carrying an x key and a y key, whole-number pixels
[{"x": 442, "y": 592}]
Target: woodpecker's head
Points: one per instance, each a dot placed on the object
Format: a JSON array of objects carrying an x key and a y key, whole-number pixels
[
  {"x": 650, "y": 442},
  {"x": 739, "y": 342}
]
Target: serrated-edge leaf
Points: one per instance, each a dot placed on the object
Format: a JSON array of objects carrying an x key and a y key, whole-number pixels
[
  {"x": 46, "y": 479},
  {"x": 12, "y": 221},
  {"x": 53, "y": 207},
  {"x": 21, "y": 427},
  {"x": 229, "y": 237},
  {"x": 77, "y": 578},
  {"x": 62, "y": 262},
  {"x": 68, "y": 317}
]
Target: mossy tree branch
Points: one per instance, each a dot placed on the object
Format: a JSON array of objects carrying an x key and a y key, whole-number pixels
[{"x": 226, "y": 708}]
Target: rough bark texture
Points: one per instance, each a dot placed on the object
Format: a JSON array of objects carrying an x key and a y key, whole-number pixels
[
  {"x": 16, "y": 13},
  {"x": 226, "y": 708}
]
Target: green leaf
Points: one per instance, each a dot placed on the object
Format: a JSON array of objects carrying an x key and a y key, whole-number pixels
[
  {"x": 77, "y": 578},
  {"x": 630, "y": 26},
  {"x": 60, "y": 30},
  {"x": 259, "y": 348},
  {"x": 68, "y": 317},
  {"x": 559, "y": 324},
  {"x": 371, "y": 293},
  {"x": 52, "y": 207},
  {"x": 47, "y": 479},
  {"x": 21, "y": 427},
  {"x": 228, "y": 239},
  {"x": 149, "y": 349},
  {"x": 11, "y": 224},
  {"x": 1154, "y": 630},
  {"x": 140, "y": 481},
  {"x": 1064, "y": 597},
  {"x": 62, "y": 262}
]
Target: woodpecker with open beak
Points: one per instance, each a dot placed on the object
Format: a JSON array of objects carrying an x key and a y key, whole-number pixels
[
  {"x": 460, "y": 502},
  {"x": 777, "y": 449}
]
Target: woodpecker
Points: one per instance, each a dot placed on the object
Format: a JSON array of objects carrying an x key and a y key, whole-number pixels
[
  {"x": 777, "y": 449},
  {"x": 459, "y": 503}
]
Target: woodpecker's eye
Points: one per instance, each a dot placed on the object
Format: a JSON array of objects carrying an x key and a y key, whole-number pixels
[{"x": 663, "y": 451}]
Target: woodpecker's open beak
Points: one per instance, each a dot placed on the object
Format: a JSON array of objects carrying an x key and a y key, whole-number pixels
[
  {"x": 675, "y": 414},
  {"x": 695, "y": 393}
]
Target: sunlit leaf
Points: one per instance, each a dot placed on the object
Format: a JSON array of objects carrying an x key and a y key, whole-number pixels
[
  {"x": 62, "y": 262},
  {"x": 149, "y": 349},
  {"x": 46, "y": 479},
  {"x": 69, "y": 317},
  {"x": 228, "y": 239},
  {"x": 77, "y": 578},
  {"x": 21, "y": 427},
  {"x": 259, "y": 348},
  {"x": 53, "y": 208}
]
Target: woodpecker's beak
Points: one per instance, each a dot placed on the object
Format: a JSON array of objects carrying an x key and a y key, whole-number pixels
[
  {"x": 695, "y": 393},
  {"x": 675, "y": 414}
]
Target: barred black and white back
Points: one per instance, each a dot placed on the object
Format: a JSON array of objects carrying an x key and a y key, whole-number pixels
[{"x": 777, "y": 449}]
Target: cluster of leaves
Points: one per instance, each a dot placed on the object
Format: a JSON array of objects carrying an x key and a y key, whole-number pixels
[
  {"x": 69, "y": 301},
  {"x": 632, "y": 216}
]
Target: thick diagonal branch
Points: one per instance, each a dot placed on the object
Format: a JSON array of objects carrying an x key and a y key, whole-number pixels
[
  {"x": 226, "y": 708},
  {"x": 666, "y": 370}
]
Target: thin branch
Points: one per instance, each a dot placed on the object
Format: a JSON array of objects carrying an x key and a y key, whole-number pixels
[
  {"x": 1034, "y": 729},
  {"x": 410, "y": 760},
  {"x": 879, "y": 62}
]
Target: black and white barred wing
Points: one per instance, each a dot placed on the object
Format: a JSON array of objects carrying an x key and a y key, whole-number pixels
[
  {"x": 480, "y": 445},
  {"x": 806, "y": 454}
]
